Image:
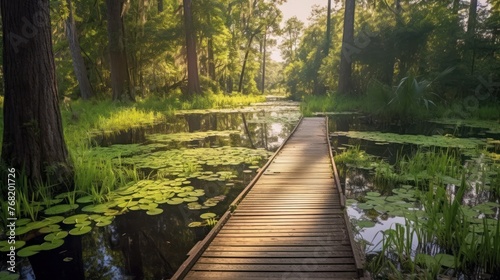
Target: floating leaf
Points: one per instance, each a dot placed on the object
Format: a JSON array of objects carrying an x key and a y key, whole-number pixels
[
  {"x": 75, "y": 219},
  {"x": 61, "y": 208},
  {"x": 373, "y": 194},
  {"x": 49, "y": 229},
  {"x": 85, "y": 199},
  {"x": 365, "y": 206},
  {"x": 155, "y": 211},
  {"x": 55, "y": 235},
  {"x": 175, "y": 201},
  {"x": 29, "y": 251},
  {"x": 52, "y": 245},
  {"x": 208, "y": 215},
  {"x": 80, "y": 230},
  {"x": 365, "y": 223},
  {"x": 4, "y": 275},
  {"x": 195, "y": 224}
]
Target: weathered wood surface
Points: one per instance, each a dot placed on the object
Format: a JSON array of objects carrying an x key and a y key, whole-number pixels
[{"x": 288, "y": 224}]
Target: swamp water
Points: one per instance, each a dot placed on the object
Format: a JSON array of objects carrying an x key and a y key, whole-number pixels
[
  {"x": 190, "y": 169},
  {"x": 404, "y": 195}
]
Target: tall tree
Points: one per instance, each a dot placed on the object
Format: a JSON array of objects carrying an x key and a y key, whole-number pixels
[
  {"x": 292, "y": 31},
  {"x": 33, "y": 140},
  {"x": 193, "y": 86},
  {"x": 120, "y": 79},
  {"x": 328, "y": 35},
  {"x": 471, "y": 32},
  {"x": 345, "y": 71},
  {"x": 76, "y": 54},
  {"x": 160, "y": 6}
]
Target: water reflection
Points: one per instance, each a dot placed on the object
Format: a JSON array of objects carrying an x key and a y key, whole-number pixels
[{"x": 139, "y": 246}]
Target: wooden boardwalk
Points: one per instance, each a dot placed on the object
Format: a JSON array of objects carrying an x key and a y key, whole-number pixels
[{"x": 289, "y": 223}]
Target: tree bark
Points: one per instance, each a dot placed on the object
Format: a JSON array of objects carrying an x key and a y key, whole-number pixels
[
  {"x": 192, "y": 58},
  {"x": 160, "y": 6},
  {"x": 264, "y": 64},
  {"x": 33, "y": 139},
  {"x": 210, "y": 52},
  {"x": 120, "y": 80},
  {"x": 76, "y": 54},
  {"x": 345, "y": 79},
  {"x": 471, "y": 32},
  {"x": 247, "y": 52},
  {"x": 328, "y": 29}
]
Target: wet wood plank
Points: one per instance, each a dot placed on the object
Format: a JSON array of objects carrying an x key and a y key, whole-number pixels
[{"x": 289, "y": 223}]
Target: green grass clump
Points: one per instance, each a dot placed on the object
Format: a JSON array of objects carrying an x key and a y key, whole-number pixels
[{"x": 332, "y": 102}]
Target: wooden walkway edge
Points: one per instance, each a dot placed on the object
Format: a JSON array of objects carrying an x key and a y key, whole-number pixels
[{"x": 288, "y": 223}]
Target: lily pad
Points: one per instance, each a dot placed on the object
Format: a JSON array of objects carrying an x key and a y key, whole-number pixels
[
  {"x": 80, "y": 230},
  {"x": 373, "y": 194},
  {"x": 155, "y": 211},
  {"x": 61, "y": 208},
  {"x": 50, "y": 228},
  {"x": 208, "y": 215},
  {"x": 365, "y": 206},
  {"x": 52, "y": 245},
  {"x": 175, "y": 201},
  {"x": 75, "y": 219},
  {"x": 365, "y": 223},
  {"x": 29, "y": 251},
  {"x": 56, "y": 235},
  {"x": 195, "y": 224},
  {"x": 85, "y": 199},
  {"x": 4, "y": 275}
]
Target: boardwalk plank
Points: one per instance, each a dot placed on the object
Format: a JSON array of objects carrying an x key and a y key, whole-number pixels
[{"x": 289, "y": 223}]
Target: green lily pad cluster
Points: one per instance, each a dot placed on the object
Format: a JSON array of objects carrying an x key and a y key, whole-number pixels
[
  {"x": 402, "y": 203},
  {"x": 119, "y": 150},
  {"x": 190, "y": 136},
  {"x": 421, "y": 140},
  {"x": 490, "y": 126},
  {"x": 54, "y": 233},
  {"x": 191, "y": 162}
]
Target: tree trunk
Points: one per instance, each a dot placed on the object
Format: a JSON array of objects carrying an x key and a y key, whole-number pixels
[
  {"x": 328, "y": 29},
  {"x": 120, "y": 80},
  {"x": 211, "y": 60},
  {"x": 247, "y": 52},
  {"x": 192, "y": 58},
  {"x": 76, "y": 55},
  {"x": 33, "y": 139},
  {"x": 264, "y": 64},
  {"x": 210, "y": 52},
  {"x": 345, "y": 79},
  {"x": 160, "y": 6},
  {"x": 471, "y": 32}
]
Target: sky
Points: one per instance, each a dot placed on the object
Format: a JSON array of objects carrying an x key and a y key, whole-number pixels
[{"x": 299, "y": 8}]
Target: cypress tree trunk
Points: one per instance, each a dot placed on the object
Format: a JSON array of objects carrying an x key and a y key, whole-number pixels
[
  {"x": 76, "y": 55},
  {"x": 192, "y": 58},
  {"x": 33, "y": 139},
  {"x": 160, "y": 6},
  {"x": 264, "y": 63},
  {"x": 345, "y": 79},
  {"x": 120, "y": 80},
  {"x": 471, "y": 32}
]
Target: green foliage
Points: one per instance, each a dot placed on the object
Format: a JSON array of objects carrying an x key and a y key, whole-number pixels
[{"x": 331, "y": 102}]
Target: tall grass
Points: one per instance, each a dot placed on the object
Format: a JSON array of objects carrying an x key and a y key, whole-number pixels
[
  {"x": 434, "y": 163},
  {"x": 332, "y": 102},
  {"x": 414, "y": 250}
]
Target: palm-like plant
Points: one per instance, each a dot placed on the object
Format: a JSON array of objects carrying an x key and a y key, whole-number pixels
[{"x": 411, "y": 95}]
